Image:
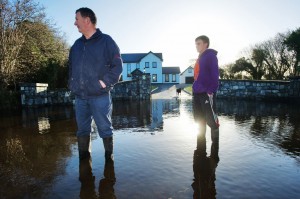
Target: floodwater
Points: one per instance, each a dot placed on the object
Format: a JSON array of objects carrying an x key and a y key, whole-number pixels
[{"x": 156, "y": 153}]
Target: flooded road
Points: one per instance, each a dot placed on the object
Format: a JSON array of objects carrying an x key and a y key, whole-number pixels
[{"x": 156, "y": 153}]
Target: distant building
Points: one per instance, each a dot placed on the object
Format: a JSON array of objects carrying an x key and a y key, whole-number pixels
[
  {"x": 187, "y": 76},
  {"x": 149, "y": 63},
  {"x": 171, "y": 74},
  {"x": 145, "y": 62}
]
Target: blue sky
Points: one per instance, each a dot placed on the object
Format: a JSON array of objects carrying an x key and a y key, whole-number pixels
[{"x": 170, "y": 26}]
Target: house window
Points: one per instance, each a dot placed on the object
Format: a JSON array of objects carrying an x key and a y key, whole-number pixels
[
  {"x": 128, "y": 70},
  {"x": 173, "y": 77},
  {"x": 190, "y": 70},
  {"x": 154, "y": 64},
  {"x": 146, "y": 64},
  {"x": 154, "y": 77},
  {"x": 166, "y": 77},
  {"x": 138, "y": 65}
]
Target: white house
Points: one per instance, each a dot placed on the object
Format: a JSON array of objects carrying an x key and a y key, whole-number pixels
[
  {"x": 149, "y": 63},
  {"x": 171, "y": 74},
  {"x": 146, "y": 62},
  {"x": 187, "y": 76}
]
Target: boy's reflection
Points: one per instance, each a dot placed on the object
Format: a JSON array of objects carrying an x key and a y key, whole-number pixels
[
  {"x": 204, "y": 166},
  {"x": 106, "y": 184},
  {"x": 205, "y": 169}
]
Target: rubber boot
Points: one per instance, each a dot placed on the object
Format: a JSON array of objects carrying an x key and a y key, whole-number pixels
[
  {"x": 108, "y": 146},
  {"x": 84, "y": 143}
]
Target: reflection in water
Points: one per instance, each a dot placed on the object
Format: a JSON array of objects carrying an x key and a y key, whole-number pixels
[
  {"x": 167, "y": 108},
  {"x": 157, "y": 113},
  {"x": 205, "y": 169},
  {"x": 270, "y": 123},
  {"x": 42, "y": 116},
  {"x": 131, "y": 114},
  {"x": 87, "y": 179},
  {"x": 144, "y": 114},
  {"x": 31, "y": 163},
  {"x": 106, "y": 184},
  {"x": 44, "y": 125}
]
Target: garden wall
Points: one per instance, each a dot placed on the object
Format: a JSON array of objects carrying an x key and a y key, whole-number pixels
[
  {"x": 37, "y": 94},
  {"x": 251, "y": 89}
]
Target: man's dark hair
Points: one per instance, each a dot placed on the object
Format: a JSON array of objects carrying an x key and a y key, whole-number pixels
[
  {"x": 86, "y": 12},
  {"x": 203, "y": 38}
]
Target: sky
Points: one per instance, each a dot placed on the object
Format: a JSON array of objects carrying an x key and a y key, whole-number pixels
[{"x": 171, "y": 26}]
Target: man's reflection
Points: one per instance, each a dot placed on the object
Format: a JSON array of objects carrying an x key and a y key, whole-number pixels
[
  {"x": 204, "y": 168},
  {"x": 106, "y": 184},
  {"x": 87, "y": 179}
]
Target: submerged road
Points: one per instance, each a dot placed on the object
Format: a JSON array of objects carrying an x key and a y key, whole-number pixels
[{"x": 166, "y": 91}]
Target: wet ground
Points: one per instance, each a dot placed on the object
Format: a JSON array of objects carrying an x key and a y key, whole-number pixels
[{"x": 155, "y": 153}]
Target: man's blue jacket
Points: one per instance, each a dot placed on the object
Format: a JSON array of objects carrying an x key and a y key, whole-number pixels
[{"x": 91, "y": 60}]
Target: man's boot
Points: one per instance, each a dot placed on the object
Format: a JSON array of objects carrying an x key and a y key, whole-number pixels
[
  {"x": 84, "y": 143},
  {"x": 108, "y": 146}
]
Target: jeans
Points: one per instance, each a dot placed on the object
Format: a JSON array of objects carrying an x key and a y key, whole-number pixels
[{"x": 98, "y": 108}]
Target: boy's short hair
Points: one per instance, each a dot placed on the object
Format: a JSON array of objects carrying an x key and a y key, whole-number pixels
[
  {"x": 86, "y": 12},
  {"x": 203, "y": 38}
]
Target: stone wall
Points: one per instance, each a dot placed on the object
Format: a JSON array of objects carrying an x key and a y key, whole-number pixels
[
  {"x": 251, "y": 89},
  {"x": 137, "y": 89},
  {"x": 37, "y": 94}
]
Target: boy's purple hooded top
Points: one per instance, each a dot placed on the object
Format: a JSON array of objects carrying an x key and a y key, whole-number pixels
[{"x": 208, "y": 78}]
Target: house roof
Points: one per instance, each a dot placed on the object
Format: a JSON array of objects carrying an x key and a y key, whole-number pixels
[
  {"x": 171, "y": 70},
  {"x": 137, "y": 57},
  {"x": 186, "y": 69},
  {"x": 136, "y": 72}
]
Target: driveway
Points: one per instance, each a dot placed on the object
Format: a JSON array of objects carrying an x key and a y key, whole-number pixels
[{"x": 168, "y": 91}]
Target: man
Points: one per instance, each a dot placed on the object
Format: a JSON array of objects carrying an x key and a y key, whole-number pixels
[
  {"x": 206, "y": 81},
  {"x": 95, "y": 66}
]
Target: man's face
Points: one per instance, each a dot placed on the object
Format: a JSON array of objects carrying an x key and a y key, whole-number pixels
[
  {"x": 201, "y": 46},
  {"x": 80, "y": 22}
]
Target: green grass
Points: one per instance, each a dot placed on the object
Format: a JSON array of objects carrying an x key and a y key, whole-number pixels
[
  {"x": 153, "y": 87},
  {"x": 189, "y": 89}
]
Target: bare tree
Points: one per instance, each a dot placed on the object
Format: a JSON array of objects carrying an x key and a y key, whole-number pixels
[
  {"x": 13, "y": 34},
  {"x": 226, "y": 71},
  {"x": 278, "y": 59}
]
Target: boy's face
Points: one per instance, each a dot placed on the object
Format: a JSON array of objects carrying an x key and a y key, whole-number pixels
[{"x": 201, "y": 46}]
